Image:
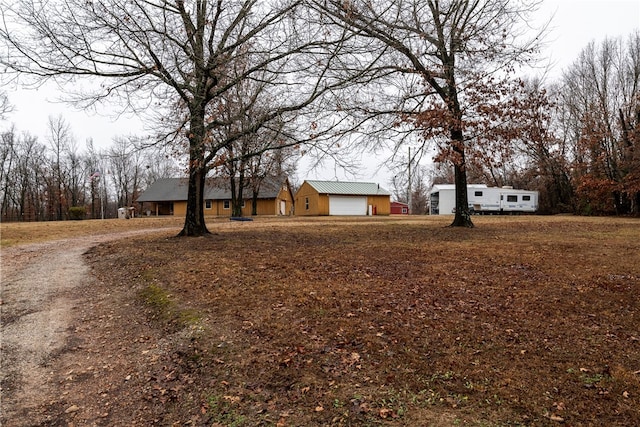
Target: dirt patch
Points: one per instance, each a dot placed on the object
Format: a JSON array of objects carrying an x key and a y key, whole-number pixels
[{"x": 520, "y": 321}]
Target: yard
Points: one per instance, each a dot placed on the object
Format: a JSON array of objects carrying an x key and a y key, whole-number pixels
[{"x": 363, "y": 321}]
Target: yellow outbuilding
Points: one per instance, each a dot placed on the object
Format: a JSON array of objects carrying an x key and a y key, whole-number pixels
[{"x": 341, "y": 198}]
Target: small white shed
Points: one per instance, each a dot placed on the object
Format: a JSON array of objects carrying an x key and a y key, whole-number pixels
[{"x": 126, "y": 213}]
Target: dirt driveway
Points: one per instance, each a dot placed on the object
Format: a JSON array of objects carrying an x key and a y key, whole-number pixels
[{"x": 44, "y": 293}]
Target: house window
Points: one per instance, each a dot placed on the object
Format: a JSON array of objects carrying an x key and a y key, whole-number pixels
[
  {"x": 226, "y": 204},
  {"x": 306, "y": 203},
  {"x": 478, "y": 193},
  {"x": 526, "y": 198},
  {"x": 207, "y": 204},
  {"x": 512, "y": 198},
  {"x": 405, "y": 210}
]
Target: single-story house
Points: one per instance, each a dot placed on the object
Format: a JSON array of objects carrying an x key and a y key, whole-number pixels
[
  {"x": 399, "y": 208},
  {"x": 168, "y": 196},
  {"x": 341, "y": 198}
]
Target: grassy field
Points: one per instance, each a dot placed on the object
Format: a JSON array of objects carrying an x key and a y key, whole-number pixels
[{"x": 384, "y": 321}]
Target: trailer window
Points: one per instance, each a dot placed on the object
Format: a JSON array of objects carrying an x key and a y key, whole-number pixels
[
  {"x": 478, "y": 193},
  {"x": 526, "y": 198},
  {"x": 512, "y": 198}
]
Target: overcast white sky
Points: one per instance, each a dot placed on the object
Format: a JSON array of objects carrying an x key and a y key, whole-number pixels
[{"x": 575, "y": 23}]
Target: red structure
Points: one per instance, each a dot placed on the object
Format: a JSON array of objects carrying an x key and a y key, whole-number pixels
[{"x": 399, "y": 208}]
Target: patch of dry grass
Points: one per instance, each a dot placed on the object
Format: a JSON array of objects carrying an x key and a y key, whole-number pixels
[
  {"x": 18, "y": 233},
  {"x": 367, "y": 321}
]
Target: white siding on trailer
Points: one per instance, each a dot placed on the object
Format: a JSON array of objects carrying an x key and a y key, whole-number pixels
[
  {"x": 496, "y": 199},
  {"x": 347, "y": 205},
  {"x": 483, "y": 199},
  {"x": 446, "y": 199},
  {"x": 513, "y": 201}
]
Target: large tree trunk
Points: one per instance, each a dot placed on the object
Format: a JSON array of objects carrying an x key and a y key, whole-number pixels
[
  {"x": 254, "y": 202},
  {"x": 236, "y": 204},
  {"x": 194, "y": 224},
  {"x": 462, "y": 216}
]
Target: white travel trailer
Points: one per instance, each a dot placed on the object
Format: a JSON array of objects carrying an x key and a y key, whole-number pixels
[{"x": 484, "y": 200}]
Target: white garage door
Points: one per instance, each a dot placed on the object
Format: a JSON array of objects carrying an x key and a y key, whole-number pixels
[{"x": 347, "y": 205}]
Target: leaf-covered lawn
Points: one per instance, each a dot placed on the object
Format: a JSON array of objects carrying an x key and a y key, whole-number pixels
[{"x": 519, "y": 321}]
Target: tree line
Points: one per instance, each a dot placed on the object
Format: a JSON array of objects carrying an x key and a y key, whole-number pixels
[
  {"x": 57, "y": 180},
  {"x": 327, "y": 76}
]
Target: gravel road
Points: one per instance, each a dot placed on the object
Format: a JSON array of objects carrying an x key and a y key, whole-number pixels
[{"x": 41, "y": 286}]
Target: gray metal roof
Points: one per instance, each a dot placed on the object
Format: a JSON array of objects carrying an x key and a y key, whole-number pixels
[
  {"x": 165, "y": 190},
  {"x": 176, "y": 189},
  {"x": 348, "y": 188}
]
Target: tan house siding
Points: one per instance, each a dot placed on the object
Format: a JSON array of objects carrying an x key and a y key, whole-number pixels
[
  {"x": 381, "y": 204},
  {"x": 265, "y": 207},
  {"x": 309, "y": 202},
  {"x": 180, "y": 208},
  {"x": 285, "y": 196},
  {"x": 323, "y": 204}
]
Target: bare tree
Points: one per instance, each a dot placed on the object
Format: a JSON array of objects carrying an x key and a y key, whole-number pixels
[
  {"x": 60, "y": 139},
  {"x": 546, "y": 166},
  {"x": 125, "y": 165},
  {"x": 95, "y": 168},
  {"x": 420, "y": 193},
  {"x": 447, "y": 49},
  {"x": 252, "y": 153},
  {"x": 157, "y": 164},
  {"x": 277, "y": 164},
  {"x": 600, "y": 98},
  {"x": 8, "y": 158},
  {"x": 152, "y": 53},
  {"x": 76, "y": 175},
  {"x": 24, "y": 171},
  {"x": 5, "y": 106}
]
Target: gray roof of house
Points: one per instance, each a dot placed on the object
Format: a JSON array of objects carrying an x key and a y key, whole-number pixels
[
  {"x": 349, "y": 188},
  {"x": 176, "y": 189}
]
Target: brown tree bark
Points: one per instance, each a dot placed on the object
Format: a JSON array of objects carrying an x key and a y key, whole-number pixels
[
  {"x": 462, "y": 217},
  {"x": 194, "y": 224}
]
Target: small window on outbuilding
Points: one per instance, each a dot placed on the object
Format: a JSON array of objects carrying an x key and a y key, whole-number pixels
[
  {"x": 226, "y": 204},
  {"x": 306, "y": 203},
  {"x": 526, "y": 198},
  {"x": 512, "y": 198},
  {"x": 207, "y": 204},
  {"x": 478, "y": 193}
]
